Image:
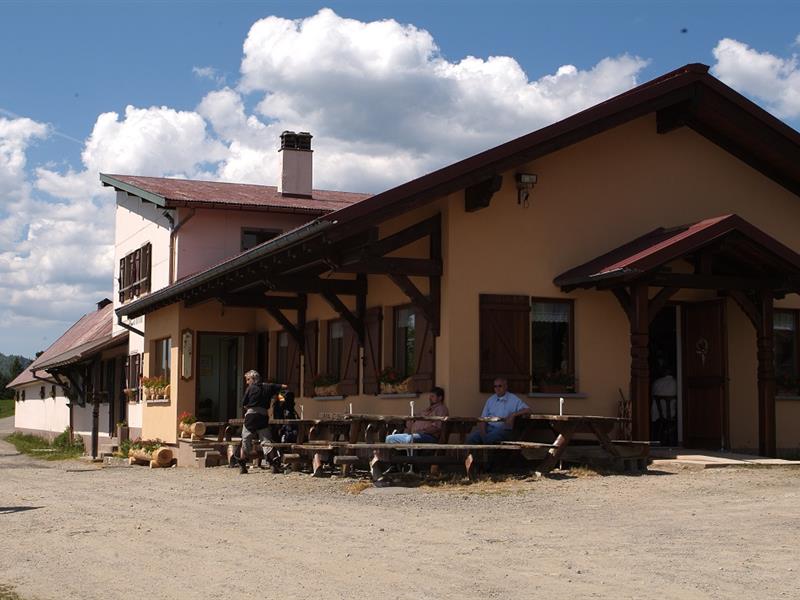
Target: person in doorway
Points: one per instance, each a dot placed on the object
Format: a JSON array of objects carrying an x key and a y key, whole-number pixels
[
  {"x": 502, "y": 404},
  {"x": 256, "y": 421},
  {"x": 421, "y": 431},
  {"x": 664, "y": 408}
]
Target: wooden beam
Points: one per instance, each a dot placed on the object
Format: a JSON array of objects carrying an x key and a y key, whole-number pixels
[
  {"x": 673, "y": 117},
  {"x": 660, "y": 300},
  {"x": 417, "y": 298},
  {"x": 767, "y": 437},
  {"x": 479, "y": 195},
  {"x": 259, "y": 300},
  {"x": 290, "y": 327},
  {"x": 315, "y": 285},
  {"x": 716, "y": 282},
  {"x": 389, "y": 265},
  {"x": 640, "y": 363},
  {"x": 624, "y": 300},
  {"x": 355, "y": 323},
  {"x": 748, "y": 306},
  {"x": 395, "y": 241}
]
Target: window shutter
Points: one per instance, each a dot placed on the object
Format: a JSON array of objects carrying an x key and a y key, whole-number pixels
[
  {"x": 293, "y": 365},
  {"x": 136, "y": 263},
  {"x": 311, "y": 357},
  {"x": 505, "y": 341},
  {"x": 121, "y": 280},
  {"x": 147, "y": 260},
  {"x": 349, "y": 369},
  {"x": 373, "y": 321},
  {"x": 423, "y": 378}
]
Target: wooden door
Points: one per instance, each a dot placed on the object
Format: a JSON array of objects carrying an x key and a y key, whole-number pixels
[{"x": 704, "y": 376}]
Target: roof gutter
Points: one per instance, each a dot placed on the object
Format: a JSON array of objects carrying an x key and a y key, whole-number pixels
[
  {"x": 130, "y": 328},
  {"x": 170, "y": 293}
]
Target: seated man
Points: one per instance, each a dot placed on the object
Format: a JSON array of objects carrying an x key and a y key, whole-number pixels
[
  {"x": 426, "y": 432},
  {"x": 501, "y": 404}
]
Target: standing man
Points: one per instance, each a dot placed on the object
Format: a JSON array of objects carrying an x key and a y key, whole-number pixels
[
  {"x": 426, "y": 432},
  {"x": 256, "y": 421},
  {"x": 501, "y": 404}
]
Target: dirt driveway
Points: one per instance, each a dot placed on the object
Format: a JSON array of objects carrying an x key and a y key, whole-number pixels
[{"x": 71, "y": 530}]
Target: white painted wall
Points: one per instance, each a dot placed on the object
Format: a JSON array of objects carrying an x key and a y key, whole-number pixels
[{"x": 48, "y": 415}]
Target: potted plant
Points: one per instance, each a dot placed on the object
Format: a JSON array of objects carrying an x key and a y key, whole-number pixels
[
  {"x": 131, "y": 394},
  {"x": 189, "y": 426},
  {"x": 393, "y": 382},
  {"x": 326, "y": 384},
  {"x": 554, "y": 382},
  {"x": 123, "y": 431},
  {"x": 155, "y": 388}
]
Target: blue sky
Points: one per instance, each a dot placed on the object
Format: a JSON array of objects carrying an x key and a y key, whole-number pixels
[{"x": 170, "y": 89}]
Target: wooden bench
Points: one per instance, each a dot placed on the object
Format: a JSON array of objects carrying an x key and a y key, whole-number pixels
[{"x": 472, "y": 456}]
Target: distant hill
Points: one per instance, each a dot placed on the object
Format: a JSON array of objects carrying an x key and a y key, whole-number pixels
[{"x": 7, "y": 361}]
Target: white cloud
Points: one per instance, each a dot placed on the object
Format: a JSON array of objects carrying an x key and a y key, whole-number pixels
[
  {"x": 383, "y": 104},
  {"x": 773, "y": 80}
]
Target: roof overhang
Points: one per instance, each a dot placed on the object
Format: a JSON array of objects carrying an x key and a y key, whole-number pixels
[
  {"x": 133, "y": 190},
  {"x": 83, "y": 352},
  {"x": 728, "y": 253}
]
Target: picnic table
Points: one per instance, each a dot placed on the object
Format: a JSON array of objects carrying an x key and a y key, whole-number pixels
[{"x": 631, "y": 455}]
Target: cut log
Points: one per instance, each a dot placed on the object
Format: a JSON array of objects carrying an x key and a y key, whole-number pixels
[{"x": 162, "y": 456}]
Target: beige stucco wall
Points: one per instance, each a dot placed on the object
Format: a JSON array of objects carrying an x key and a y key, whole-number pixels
[{"x": 590, "y": 198}]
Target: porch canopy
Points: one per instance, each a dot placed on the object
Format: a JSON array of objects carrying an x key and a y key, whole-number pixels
[{"x": 726, "y": 254}]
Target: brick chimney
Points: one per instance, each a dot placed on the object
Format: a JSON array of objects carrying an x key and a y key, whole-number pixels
[{"x": 295, "y": 160}]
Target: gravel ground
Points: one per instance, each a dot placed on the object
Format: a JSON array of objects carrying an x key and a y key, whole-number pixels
[{"x": 74, "y": 530}]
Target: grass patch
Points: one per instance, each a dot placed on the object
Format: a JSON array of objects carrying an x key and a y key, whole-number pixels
[
  {"x": 357, "y": 487},
  {"x": 6, "y": 410},
  {"x": 61, "y": 449}
]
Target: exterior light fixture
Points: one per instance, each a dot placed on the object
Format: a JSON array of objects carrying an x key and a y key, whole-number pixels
[{"x": 525, "y": 183}]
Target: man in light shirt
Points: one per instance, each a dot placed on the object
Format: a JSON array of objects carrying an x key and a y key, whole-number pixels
[{"x": 501, "y": 404}]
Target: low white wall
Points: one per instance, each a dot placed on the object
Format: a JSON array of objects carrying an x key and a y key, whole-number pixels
[
  {"x": 48, "y": 415},
  {"x": 135, "y": 414}
]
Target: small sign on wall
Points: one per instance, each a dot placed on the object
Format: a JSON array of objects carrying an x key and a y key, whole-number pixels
[{"x": 187, "y": 353}]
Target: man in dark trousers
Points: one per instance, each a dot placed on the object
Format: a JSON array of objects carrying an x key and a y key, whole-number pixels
[{"x": 256, "y": 420}]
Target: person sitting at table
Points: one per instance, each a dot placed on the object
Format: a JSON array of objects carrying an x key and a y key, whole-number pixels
[
  {"x": 284, "y": 408},
  {"x": 421, "y": 431},
  {"x": 501, "y": 404}
]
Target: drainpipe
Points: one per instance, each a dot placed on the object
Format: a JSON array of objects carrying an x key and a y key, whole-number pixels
[
  {"x": 128, "y": 327},
  {"x": 172, "y": 235}
]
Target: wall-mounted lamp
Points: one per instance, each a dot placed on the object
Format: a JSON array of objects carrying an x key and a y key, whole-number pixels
[{"x": 525, "y": 183}]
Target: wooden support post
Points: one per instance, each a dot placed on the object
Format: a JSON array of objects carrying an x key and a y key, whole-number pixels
[
  {"x": 640, "y": 365},
  {"x": 766, "y": 377},
  {"x": 95, "y": 423}
]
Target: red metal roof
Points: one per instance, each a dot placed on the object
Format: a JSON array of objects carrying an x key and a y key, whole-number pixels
[
  {"x": 93, "y": 327},
  {"x": 215, "y": 194},
  {"x": 661, "y": 246}
]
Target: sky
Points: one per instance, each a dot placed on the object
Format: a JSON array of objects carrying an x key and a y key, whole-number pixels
[{"x": 390, "y": 91}]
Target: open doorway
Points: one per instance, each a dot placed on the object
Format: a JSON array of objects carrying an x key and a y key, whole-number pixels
[
  {"x": 664, "y": 377},
  {"x": 219, "y": 376}
]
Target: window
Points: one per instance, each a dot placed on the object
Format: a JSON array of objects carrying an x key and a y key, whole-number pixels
[
  {"x": 786, "y": 368},
  {"x": 282, "y": 366},
  {"x": 253, "y": 237},
  {"x": 161, "y": 356},
  {"x": 551, "y": 344},
  {"x": 527, "y": 341},
  {"x": 134, "y": 377},
  {"x": 335, "y": 348},
  {"x": 134, "y": 273},
  {"x": 405, "y": 347}
]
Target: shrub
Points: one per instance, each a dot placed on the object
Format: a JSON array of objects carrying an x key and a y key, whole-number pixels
[{"x": 64, "y": 441}]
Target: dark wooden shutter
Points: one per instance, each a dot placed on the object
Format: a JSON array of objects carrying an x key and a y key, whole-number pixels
[
  {"x": 122, "y": 280},
  {"x": 373, "y": 326},
  {"x": 349, "y": 369},
  {"x": 311, "y": 363},
  {"x": 146, "y": 267},
  {"x": 424, "y": 375},
  {"x": 293, "y": 365},
  {"x": 505, "y": 341}
]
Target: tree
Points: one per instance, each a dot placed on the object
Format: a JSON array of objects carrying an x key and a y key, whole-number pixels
[{"x": 16, "y": 368}]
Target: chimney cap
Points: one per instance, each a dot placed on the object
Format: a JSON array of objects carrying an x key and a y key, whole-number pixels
[{"x": 296, "y": 141}]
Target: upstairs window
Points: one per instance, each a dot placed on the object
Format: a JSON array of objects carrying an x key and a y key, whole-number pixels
[
  {"x": 134, "y": 273},
  {"x": 253, "y": 237}
]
